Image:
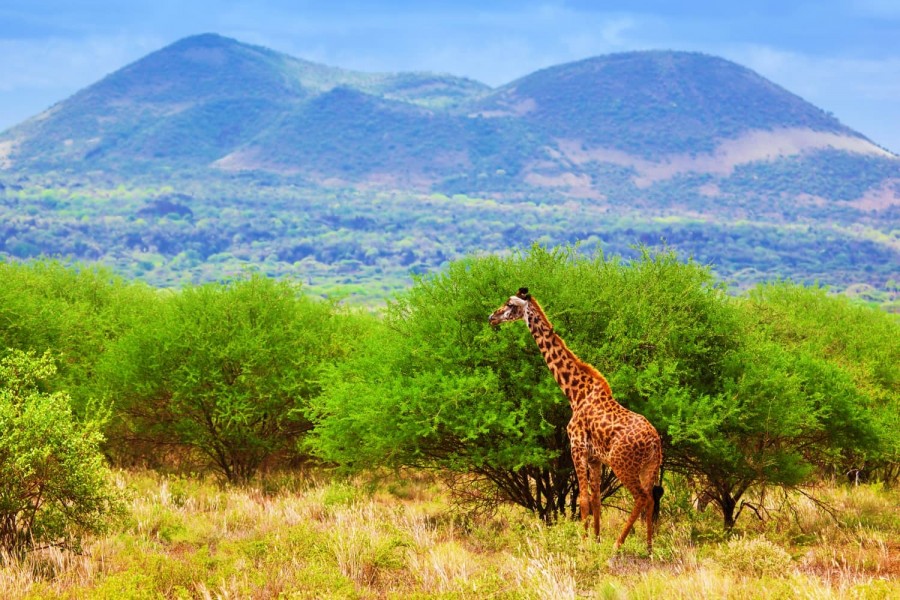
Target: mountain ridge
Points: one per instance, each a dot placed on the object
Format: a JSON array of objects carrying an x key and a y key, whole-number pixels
[
  {"x": 649, "y": 105},
  {"x": 263, "y": 158}
]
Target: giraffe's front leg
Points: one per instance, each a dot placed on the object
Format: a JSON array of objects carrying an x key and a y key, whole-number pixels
[{"x": 579, "y": 460}]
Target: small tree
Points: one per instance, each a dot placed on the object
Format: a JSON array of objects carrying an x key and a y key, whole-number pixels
[
  {"x": 223, "y": 369},
  {"x": 779, "y": 416},
  {"x": 54, "y": 484}
]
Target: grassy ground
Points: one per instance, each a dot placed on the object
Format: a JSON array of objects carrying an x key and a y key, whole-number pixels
[{"x": 295, "y": 538}]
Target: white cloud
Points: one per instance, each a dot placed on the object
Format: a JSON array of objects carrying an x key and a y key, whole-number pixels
[{"x": 877, "y": 8}]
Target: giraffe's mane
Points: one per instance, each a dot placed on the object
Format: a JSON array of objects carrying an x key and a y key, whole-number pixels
[{"x": 590, "y": 369}]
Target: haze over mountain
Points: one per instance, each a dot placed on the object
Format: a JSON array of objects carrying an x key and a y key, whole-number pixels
[{"x": 673, "y": 135}]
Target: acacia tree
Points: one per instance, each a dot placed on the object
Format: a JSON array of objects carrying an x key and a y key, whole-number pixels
[
  {"x": 435, "y": 386},
  {"x": 857, "y": 341},
  {"x": 779, "y": 416},
  {"x": 455, "y": 394},
  {"x": 223, "y": 369}
]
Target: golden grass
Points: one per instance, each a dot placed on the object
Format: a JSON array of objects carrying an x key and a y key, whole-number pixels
[{"x": 294, "y": 538}]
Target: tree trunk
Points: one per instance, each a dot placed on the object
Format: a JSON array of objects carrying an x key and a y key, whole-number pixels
[{"x": 727, "y": 504}]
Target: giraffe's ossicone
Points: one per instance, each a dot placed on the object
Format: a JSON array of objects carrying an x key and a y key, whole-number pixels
[{"x": 601, "y": 430}]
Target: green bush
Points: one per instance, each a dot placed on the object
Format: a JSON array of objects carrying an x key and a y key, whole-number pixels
[
  {"x": 54, "y": 483},
  {"x": 73, "y": 310},
  {"x": 222, "y": 369}
]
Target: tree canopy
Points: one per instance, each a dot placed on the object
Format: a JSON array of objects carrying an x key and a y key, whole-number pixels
[
  {"x": 224, "y": 369},
  {"x": 55, "y": 486},
  {"x": 435, "y": 386}
]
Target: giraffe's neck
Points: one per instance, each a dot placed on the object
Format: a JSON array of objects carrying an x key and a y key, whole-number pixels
[{"x": 578, "y": 380}]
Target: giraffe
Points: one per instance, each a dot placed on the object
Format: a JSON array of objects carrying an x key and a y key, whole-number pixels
[{"x": 601, "y": 430}]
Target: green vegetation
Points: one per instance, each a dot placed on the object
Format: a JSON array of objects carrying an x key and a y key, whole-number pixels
[
  {"x": 55, "y": 487},
  {"x": 766, "y": 401},
  {"x": 447, "y": 392},
  {"x": 192, "y": 231},
  {"x": 225, "y": 370},
  {"x": 232, "y": 375},
  {"x": 73, "y": 311}
]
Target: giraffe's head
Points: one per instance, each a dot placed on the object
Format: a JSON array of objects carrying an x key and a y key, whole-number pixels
[{"x": 513, "y": 309}]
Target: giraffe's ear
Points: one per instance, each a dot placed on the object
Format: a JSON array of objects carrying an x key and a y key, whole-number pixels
[{"x": 523, "y": 293}]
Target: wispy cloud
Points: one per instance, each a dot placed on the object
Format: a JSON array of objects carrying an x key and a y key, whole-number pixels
[{"x": 65, "y": 62}]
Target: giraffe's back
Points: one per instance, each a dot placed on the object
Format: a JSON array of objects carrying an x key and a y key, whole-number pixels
[{"x": 618, "y": 437}]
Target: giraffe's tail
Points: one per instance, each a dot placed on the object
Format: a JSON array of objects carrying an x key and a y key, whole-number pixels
[{"x": 657, "y": 494}]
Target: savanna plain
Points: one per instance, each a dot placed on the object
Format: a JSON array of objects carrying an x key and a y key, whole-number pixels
[{"x": 401, "y": 535}]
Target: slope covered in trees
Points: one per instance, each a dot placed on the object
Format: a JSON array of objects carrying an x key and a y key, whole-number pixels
[{"x": 340, "y": 177}]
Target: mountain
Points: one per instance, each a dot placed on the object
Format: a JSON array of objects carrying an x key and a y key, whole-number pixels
[
  {"x": 212, "y": 103},
  {"x": 195, "y": 102},
  {"x": 370, "y": 175},
  {"x": 652, "y": 104}
]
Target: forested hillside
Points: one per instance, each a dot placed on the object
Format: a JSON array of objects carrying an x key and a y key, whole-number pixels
[
  {"x": 210, "y": 156},
  {"x": 368, "y": 244}
]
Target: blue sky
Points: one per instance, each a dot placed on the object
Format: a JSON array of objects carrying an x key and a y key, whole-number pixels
[{"x": 842, "y": 55}]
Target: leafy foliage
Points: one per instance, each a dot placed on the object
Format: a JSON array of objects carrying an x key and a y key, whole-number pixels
[
  {"x": 222, "y": 369},
  {"x": 73, "y": 310},
  {"x": 199, "y": 231},
  {"x": 858, "y": 351},
  {"x": 54, "y": 484},
  {"x": 772, "y": 388},
  {"x": 437, "y": 387}
]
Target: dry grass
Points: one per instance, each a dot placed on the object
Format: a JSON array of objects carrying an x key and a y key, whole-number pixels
[{"x": 304, "y": 539}]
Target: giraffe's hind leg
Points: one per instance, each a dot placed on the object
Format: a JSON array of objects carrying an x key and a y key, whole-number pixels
[
  {"x": 595, "y": 470},
  {"x": 642, "y": 489},
  {"x": 642, "y": 501},
  {"x": 650, "y": 513}
]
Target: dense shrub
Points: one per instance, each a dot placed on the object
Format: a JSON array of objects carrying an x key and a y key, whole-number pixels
[
  {"x": 73, "y": 310},
  {"x": 223, "y": 369},
  {"x": 54, "y": 483}
]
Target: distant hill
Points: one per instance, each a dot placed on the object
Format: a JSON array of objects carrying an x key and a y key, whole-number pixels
[
  {"x": 652, "y": 104},
  {"x": 195, "y": 102},
  {"x": 645, "y": 145},
  {"x": 212, "y": 102}
]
